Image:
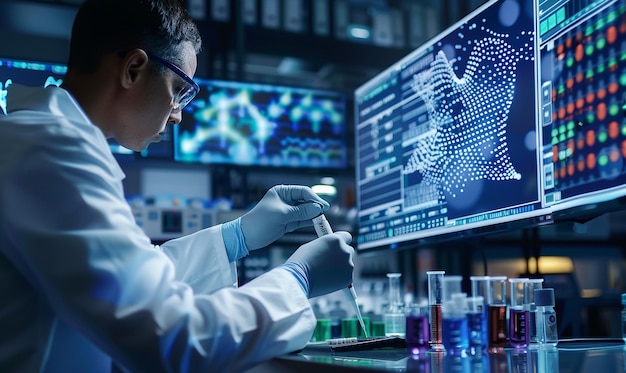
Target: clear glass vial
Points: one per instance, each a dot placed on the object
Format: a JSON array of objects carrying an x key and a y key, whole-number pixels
[
  {"x": 547, "y": 332},
  {"x": 533, "y": 283},
  {"x": 393, "y": 312}
]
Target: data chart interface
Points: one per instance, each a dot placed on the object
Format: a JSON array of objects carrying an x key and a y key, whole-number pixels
[
  {"x": 583, "y": 89},
  {"x": 446, "y": 138},
  {"x": 250, "y": 124},
  {"x": 29, "y": 73}
]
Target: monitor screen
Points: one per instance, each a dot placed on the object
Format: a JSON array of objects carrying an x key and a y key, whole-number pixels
[
  {"x": 248, "y": 124},
  {"x": 446, "y": 138},
  {"x": 30, "y": 73},
  {"x": 583, "y": 94}
]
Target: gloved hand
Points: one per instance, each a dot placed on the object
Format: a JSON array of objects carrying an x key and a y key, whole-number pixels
[
  {"x": 284, "y": 208},
  {"x": 323, "y": 265}
]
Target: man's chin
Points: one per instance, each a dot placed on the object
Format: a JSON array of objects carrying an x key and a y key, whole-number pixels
[{"x": 152, "y": 140}]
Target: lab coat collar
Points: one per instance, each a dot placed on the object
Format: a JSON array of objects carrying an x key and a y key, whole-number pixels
[
  {"x": 52, "y": 99},
  {"x": 60, "y": 103}
]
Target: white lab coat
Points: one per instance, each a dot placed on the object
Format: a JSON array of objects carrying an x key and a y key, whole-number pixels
[{"x": 81, "y": 283}]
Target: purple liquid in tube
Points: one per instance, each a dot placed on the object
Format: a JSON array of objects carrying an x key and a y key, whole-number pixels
[
  {"x": 417, "y": 334},
  {"x": 519, "y": 328}
]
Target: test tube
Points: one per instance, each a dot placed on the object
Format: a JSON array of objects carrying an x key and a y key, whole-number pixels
[
  {"x": 451, "y": 285},
  {"x": 496, "y": 314},
  {"x": 533, "y": 284},
  {"x": 454, "y": 320},
  {"x": 454, "y": 328},
  {"x": 393, "y": 313},
  {"x": 519, "y": 316},
  {"x": 417, "y": 328},
  {"x": 435, "y": 301},
  {"x": 476, "y": 324},
  {"x": 480, "y": 288}
]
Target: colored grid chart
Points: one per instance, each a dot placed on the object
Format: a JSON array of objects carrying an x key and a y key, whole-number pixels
[{"x": 584, "y": 122}]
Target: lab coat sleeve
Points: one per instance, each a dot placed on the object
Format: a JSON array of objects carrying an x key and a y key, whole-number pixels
[
  {"x": 68, "y": 229},
  {"x": 201, "y": 260}
]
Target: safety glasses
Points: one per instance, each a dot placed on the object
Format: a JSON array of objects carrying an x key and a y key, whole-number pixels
[{"x": 183, "y": 96}]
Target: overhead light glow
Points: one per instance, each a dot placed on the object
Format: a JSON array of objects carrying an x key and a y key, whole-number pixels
[
  {"x": 359, "y": 32},
  {"x": 328, "y": 180},
  {"x": 324, "y": 190},
  {"x": 555, "y": 264}
]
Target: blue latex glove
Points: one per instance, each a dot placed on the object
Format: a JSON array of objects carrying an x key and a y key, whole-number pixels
[
  {"x": 323, "y": 265},
  {"x": 284, "y": 208}
]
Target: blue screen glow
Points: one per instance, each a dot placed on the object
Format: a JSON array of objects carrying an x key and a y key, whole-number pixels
[{"x": 250, "y": 124}]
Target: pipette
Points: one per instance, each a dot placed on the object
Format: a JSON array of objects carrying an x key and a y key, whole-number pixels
[{"x": 322, "y": 228}]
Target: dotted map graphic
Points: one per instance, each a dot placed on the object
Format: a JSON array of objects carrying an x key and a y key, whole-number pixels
[{"x": 468, "y": 114}]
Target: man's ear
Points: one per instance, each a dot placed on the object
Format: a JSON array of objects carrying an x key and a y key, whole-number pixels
[{"x": 134, "y": 65}]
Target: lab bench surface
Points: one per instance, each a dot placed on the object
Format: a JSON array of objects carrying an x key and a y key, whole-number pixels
[{"x": 570, "y": 356}]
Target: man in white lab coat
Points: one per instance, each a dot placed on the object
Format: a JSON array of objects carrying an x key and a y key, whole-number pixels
[{"x": 82, "y": 288}]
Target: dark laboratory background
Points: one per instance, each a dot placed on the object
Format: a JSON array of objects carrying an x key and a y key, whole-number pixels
[{"x": 323, "y": 50}]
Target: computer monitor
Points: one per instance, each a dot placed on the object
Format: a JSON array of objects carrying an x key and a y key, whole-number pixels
[
  {"x": 446, "y": 138},
  {"x": 583, "y": 96},
  {"x": 250, "y": 124},
  {"x": 30, "y": 73}
]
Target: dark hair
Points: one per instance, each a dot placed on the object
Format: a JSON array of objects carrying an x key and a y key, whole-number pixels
[{"x": 105, "y": 26}]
